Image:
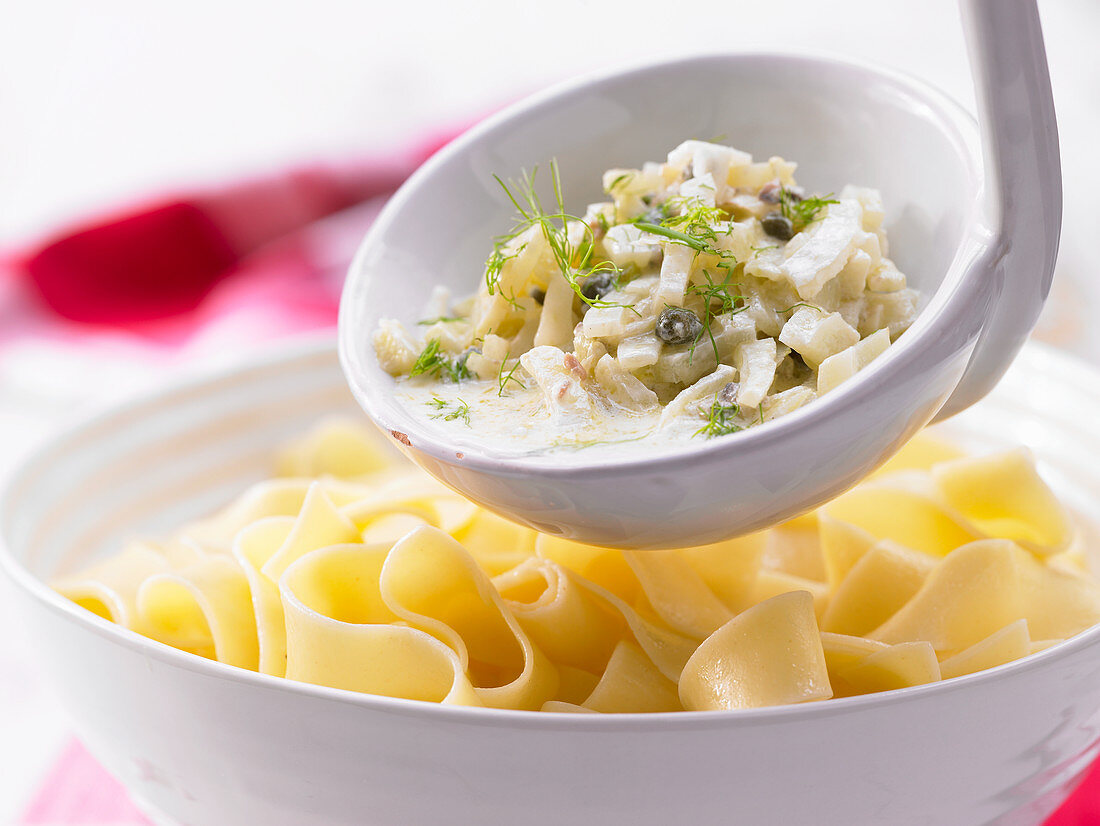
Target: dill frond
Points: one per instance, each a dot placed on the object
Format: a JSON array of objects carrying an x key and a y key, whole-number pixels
[
  {"x": 720, "y": 293},
  {"x": 692, "y": 214},
  {"x": 573, "y": 260},
  {"x": 803, "y": 213},
  {"x": 720, "y": 420},
  {"x": 450, "y": 411},
  {"x": 503, "y": 378},
  {"x": 697, "y": 244},
  {"x": 432, "y": 362},
  {"x": 693, "y": 227}
]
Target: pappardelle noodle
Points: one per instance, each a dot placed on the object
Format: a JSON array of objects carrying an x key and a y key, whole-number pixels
[
  {"x": 707, "y": 294},
  {"x": 354, "y": 570}
]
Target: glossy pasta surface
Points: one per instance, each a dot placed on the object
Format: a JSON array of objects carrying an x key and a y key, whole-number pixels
[{"x": 353, "y": 570}]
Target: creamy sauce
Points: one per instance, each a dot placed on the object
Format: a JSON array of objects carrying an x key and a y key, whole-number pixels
[
  {"x": 708, "y": 295},
  {"x": 516, "y": 423}
]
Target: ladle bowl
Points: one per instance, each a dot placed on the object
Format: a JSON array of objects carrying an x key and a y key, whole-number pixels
[{"x": 977, "y": 239}]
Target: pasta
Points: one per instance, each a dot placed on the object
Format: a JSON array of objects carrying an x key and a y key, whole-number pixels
[
  {"x": 357, "y": 571},
  {"x": 611, "y": 327}
]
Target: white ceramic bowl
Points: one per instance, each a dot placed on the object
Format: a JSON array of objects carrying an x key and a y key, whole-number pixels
[
  {"x": 201, "y": 743},
  {"x": 982, "y": 264}
]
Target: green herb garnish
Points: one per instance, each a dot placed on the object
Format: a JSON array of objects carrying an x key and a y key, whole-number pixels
[
  {"x": 720, "y": 420},
  {"x": 728, "y": 302},
  {"x": 711, "y": 292},
  {"x": 695, "y": 217},
  {"x": 697, "y": 244},
  {"x": 450, "y": 411},
  {"x": 574, "y": 260},
  {"x": 692, "y": 227},
  {"x": 804, "y": 212},
  {"x": 494, "y": 265},
  {"x": 431, "y": 362},
  {"x": 503, "y": 378}
]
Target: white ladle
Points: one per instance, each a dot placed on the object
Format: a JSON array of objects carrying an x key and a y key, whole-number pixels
[{"x": 979, "y": 244}]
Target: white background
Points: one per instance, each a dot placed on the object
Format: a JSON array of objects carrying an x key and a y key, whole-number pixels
[{"x": 103, "y": 100}]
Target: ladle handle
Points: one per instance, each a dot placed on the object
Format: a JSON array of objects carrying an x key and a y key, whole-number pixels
[{"x": 1023, "y": 180}]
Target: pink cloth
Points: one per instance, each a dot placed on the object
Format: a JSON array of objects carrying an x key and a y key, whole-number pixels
[{"x": 78, "y": 791}]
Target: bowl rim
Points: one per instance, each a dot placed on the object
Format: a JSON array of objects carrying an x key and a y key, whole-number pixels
[
  {"x": 41, "y": 595},
  {"x": 943, "y": 309}
]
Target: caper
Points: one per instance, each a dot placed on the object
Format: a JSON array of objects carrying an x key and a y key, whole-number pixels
[
  {"x": 678, "y": 326},
  {"x": 597, "y": 285},
  {"x": 778, "y": 226},
  {"x": 538, "y": 294}
]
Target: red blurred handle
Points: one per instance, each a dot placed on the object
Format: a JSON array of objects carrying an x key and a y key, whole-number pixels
[{"x": 161, "y": 257}]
